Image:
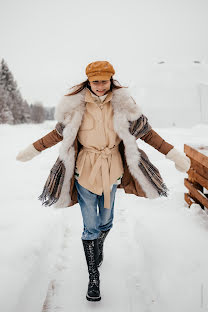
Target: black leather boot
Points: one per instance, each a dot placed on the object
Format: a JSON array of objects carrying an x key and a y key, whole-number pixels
[
  {"x": 101, "y": 239},
  {"x": 91, "y": 249}
]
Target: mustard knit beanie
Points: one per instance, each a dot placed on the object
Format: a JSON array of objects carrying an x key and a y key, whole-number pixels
[{"x": 100, "y": 70}]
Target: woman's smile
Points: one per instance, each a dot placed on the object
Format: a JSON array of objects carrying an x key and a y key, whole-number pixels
[{"x": 100, "y": 83}]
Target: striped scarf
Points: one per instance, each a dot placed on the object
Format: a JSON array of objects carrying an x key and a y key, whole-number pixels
[{"x": 138, "y": 128}]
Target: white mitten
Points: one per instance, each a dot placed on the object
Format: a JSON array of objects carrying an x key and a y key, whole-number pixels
[
  {"x": 28, "y": 153},
  {"x": 182, "y": 162}
]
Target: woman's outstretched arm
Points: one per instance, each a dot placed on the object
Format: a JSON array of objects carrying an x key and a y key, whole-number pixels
[
  {"x": 47, "y": 141},
  {"x": 182, "y": 162},
  {"x": 34, "y": 149},
  {"x": 141, "y": 129},
  {"x": 155, "y": 140}
]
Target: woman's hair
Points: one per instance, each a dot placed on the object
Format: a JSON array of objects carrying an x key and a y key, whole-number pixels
[{"x": 85, "y": 84}]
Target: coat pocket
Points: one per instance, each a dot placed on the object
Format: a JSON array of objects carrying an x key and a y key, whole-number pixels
[{"x": 87, "y": 122}]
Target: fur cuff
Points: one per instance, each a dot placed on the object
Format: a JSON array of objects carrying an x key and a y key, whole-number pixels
[
  {"x": 182, "y": 162},
  {"x": 28, "y": 153}
]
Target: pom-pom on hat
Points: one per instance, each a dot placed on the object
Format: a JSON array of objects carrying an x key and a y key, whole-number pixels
[{"x": 100, "y": 70}]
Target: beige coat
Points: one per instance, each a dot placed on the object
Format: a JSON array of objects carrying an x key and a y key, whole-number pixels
[
  {"x": 130, "y": 181},
  {"x": 99, "y": 163}
]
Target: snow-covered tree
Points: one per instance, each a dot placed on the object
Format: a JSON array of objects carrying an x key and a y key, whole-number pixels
[
  {"x": 17, "y": 109},
  {"x": 6, "y": 78},
  {"x": 15, "y": 104},
  {"x": 6, "y": 115},
  {"x": 27, "y": 112},
  {"x": 37, "y": 112},
  {"x": 49, "y": 113}
]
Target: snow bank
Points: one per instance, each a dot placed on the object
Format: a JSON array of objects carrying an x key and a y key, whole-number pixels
[
  {"x": 31, "y": 241},
  {"x": 31, "y": 235}
]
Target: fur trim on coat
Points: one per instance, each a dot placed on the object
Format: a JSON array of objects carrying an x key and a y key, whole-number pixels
[{"x": 70, "y": 110}]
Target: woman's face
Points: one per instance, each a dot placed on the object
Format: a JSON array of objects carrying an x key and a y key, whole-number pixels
[{"x": 100, "y": 87}]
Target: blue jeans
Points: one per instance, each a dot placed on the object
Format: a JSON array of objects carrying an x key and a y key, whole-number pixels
[{"x": 95, "y": 222}]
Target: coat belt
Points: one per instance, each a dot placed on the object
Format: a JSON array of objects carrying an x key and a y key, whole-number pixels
[{"x": 101, "y": 162}]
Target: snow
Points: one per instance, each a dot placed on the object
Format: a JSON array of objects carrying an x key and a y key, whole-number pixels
[
  {"x": 203, "y": 149},
  {"x": 202, "y": 194},
  {"x": 155, "y": 256}
]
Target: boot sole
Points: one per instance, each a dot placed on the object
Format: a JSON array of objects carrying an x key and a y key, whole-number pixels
[
  {"x": 99, "y": 264},
  {"x": 93, "y": 298}
]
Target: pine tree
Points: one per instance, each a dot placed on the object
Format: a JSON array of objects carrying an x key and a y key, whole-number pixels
[
  {"x": 6, "y": 78},
  {"x": 6, "y": 84},
  {"x": 6, "y": 115},
  {"x": 17, "y": 107},
  {"x": 27, "y": 112}
]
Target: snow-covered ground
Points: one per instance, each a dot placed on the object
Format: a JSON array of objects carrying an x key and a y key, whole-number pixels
[{"x": 155, "y": 255}]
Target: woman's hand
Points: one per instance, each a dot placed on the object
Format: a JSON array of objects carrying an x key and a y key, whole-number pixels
[
  {"x": 28, "y": 153},
  {"x": 182, "y": 162}
]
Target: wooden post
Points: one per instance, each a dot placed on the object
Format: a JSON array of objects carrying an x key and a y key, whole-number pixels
[{"x": 197, "y": 180}]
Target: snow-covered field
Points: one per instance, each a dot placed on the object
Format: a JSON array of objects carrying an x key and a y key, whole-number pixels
[{"x": 155, "y": 255}]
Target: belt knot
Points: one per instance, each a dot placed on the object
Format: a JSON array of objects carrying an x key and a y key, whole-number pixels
[
  {"x": 101, "y": 162},
  {"x": 105, "y": 152}
]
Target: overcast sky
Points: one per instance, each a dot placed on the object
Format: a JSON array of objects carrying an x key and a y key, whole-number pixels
[{"x": 47, "y": 44}]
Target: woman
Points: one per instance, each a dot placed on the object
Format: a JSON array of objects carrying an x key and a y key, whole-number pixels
[{"x": 98, "y": 124}]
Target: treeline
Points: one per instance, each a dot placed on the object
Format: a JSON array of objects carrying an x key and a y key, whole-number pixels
[{"x": 13, "y": 108}]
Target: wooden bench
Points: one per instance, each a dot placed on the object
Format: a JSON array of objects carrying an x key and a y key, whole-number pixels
[{"x": 197, "y": 182}]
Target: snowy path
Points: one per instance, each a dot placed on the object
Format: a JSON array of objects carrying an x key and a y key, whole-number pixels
[
  {"x": 155, "y": 255},
  {"x": 118, "y": 273},
  {"x": 149, "y": 262}
]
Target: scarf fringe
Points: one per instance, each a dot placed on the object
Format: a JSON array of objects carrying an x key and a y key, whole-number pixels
[
  {"x": 52, "y": 188},
  {"x": 153, "y": 175},
  {"x": 164, "y": 191},
  {"x": 138, "y": 128}
]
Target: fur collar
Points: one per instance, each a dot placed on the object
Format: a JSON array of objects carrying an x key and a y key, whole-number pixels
[
  {"x": 70, "y": 112},
  {"x": 121, "y": 100}
]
